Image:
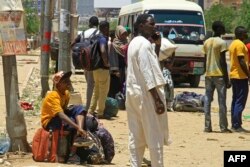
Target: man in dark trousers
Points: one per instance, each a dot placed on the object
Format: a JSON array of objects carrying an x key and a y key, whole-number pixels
[{"x": 240, "y": 76}]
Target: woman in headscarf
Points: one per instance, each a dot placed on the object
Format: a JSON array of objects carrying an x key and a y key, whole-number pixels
[{"x": 118, "y": 51}]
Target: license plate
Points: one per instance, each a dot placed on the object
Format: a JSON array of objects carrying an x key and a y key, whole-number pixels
[{"x": 198, "y": 71}]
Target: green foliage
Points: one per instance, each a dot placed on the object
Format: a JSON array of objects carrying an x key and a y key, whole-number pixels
[
  {"x": 244, "y": 15},
  {"x": 113, "y": 24},
  {"x": 221, "y": 13},
  {"x": 32, "y": 21}
]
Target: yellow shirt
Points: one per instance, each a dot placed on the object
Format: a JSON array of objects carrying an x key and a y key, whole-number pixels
[
  {"x": 237, "y": 48},
  {"x": 213, "y": 48},
  {"x": 53, "y": 103}
]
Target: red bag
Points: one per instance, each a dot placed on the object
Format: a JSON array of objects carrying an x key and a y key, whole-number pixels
[{"x": 44, "y": 145}]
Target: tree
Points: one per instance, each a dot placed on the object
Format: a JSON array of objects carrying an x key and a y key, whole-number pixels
[
  {"x": 32, "y": 21},
  {"x": 113, "y": 24},
  {"x": 221, "y": 13},
  {"x": 244, "y": 15}
]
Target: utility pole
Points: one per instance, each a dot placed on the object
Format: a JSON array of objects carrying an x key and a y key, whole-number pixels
[
  {"x": 73, "y": 20},
  {"x": 73, "y": 27},
  {"x": 64, "y": 58},
  {"x": 42, "y": 19},
  {"x": 45, "y": 49}
]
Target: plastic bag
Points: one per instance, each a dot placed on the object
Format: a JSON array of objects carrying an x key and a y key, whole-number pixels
[{"x": 4, "y": 144}]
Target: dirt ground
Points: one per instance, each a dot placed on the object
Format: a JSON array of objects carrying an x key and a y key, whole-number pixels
[{"x": 191, "y": 147}]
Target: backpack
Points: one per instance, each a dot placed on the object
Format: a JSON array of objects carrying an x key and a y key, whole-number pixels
[
  {"x": 94, "y": 153},
  {"x": 44, "y": 145},
  {"x": 85, "y": 54},
  {"x": 188, "y": 101},
  {"x": 104, "y": 136},
  {"x": 91, "y": 123}
]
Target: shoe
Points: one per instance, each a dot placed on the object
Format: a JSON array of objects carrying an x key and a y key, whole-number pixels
[
  {"x": 207, "y": 130},
  {"x": 73, "y": 159},
  {"x": 240, "y": 130},
  {"x": 170, "y": 109},
  {"x": 226, "y": 131},
  {"x": 82, "y": 142},
  {"x": 95, "y": 113}
]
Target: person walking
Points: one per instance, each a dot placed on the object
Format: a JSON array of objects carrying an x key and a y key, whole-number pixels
[
  {"x": 93, "y": 28},
  {"x": 101, "y": 74},
  {"x": 240, "y": 76},
  {"x": 145, "y": 98},
  {"x": 216, "y": 76}
]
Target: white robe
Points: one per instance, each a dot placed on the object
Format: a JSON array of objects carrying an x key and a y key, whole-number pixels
[{"x": 146, "y": 127}]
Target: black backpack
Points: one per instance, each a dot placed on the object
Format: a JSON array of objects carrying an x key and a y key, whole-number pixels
[{"x": 85, "y": 54}]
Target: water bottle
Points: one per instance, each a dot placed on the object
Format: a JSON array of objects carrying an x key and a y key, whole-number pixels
[{"x": 4, "y": 144}]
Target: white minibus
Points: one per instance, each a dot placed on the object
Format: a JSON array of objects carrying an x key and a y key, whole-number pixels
[{"x": 186, "y": 25}]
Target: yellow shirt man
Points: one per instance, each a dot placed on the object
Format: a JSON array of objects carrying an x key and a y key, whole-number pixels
[
  {"x": 53, "y": 103},
  {"x": 237, "y": 48},
  {"x": 213, "y": 48}
]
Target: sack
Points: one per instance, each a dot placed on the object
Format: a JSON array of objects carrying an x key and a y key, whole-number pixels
[
  {"x": 120, "y": 97},
  {"x": 93, "y": 154},
  {"x": 167, "y": 49},
  {"x": 188, "y": 101},
  {"x": 111, "y": 107},
  {"x": 4, "y": 143},
  {"x": 107, "y": 143},
  {"x": 44, "y": 145},
  {"x": 85, "y": 54}
]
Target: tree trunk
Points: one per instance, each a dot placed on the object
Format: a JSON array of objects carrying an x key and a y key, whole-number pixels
[{"x": 15, "y": 122}]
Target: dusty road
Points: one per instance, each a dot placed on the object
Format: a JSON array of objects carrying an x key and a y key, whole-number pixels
[{"x": 191, "y": 147}]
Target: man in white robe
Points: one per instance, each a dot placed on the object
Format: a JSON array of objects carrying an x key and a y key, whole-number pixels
[{"x": 145, "y": 98}]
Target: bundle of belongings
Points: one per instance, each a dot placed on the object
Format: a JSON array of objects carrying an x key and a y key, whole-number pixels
[
  {"x": 188, "y": 101},
  {"x": 167, "y": 49}
]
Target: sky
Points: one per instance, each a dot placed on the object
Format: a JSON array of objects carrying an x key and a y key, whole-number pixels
[{"x": 114, "y": 3}]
